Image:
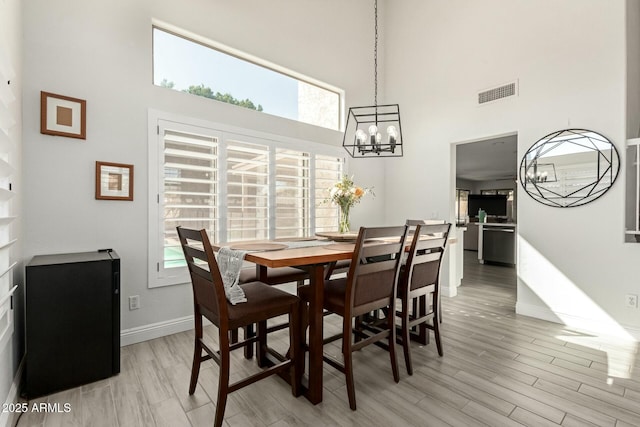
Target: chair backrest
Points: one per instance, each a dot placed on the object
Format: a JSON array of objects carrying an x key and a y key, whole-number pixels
[
  {"x": 208, "y": 288},
  {"x": 428, "y": 243},
  {"x": 374, "y": 269}
]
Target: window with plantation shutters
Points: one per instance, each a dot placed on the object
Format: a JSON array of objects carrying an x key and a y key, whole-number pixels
[
  {"x": 328, "y": 170},
  {"x": 247, "y": 189},
  {"x": 237, "y": 186},
  {"x": 293, "y": 194},
  {"x": 190, "y": 188}
]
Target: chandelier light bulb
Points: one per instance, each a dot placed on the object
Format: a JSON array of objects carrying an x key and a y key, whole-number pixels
[
  {"x": 361, "y": 137},
  {"x": 393, "y": 137},
  {"x": 391, "y": 131},
  {"x": 373, "y": 129}
]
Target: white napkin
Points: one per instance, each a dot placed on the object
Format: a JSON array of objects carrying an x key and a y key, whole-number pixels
[{"x": 230, "y": 264}]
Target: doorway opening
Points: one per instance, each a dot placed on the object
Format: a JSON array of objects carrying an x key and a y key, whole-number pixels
[{"x": 486, "y": 205}]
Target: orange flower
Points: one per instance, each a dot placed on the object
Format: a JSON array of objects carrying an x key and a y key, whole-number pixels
[{"x": 359, "y": 192}]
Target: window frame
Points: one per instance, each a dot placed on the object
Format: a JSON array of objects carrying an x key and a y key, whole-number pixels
[
  {"x": 461, "y": 217},
  {"x": 158, "y": 276},
  {"x": 511, "y": 202}
]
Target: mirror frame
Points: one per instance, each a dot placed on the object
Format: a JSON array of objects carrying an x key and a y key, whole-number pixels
[{"x": 559, "y": 137}]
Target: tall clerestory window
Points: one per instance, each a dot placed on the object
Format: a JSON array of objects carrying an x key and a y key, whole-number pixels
[{"x": 207, "y": 70}]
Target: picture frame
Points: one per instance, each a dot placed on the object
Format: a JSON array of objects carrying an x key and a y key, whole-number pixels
[
  {"x": 63, "y": 116},
  {"x": 114, "y": 181}
]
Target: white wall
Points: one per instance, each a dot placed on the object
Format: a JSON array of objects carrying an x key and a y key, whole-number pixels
[
  {"x": 465, "y": 184},
  {"x": 101, "y": 51},
  {"x": 570, "y": 60}
]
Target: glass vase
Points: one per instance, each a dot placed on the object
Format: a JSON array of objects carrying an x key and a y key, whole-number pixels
[{"x": 343, "y": 225}]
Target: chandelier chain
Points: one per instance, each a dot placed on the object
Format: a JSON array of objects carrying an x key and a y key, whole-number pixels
[
  {"x": 375, "y": 55},
  {"x": 367, "y": 140}
]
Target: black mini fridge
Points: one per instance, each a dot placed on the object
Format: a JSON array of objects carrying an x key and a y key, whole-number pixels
[{"x": 72, "y": 320}]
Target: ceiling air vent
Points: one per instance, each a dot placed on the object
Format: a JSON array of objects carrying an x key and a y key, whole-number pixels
[{"x": 497, "y": 93}]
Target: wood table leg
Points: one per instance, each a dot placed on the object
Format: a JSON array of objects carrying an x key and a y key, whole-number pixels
[{"x": 316, "y": 278}]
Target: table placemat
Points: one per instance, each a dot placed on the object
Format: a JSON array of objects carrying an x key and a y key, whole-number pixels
[
  {"x": 306, "y": 243},
  {"x": 259, "y": 246},
  {"x": 339, "y": 237},
  {"x": 341, "y": 246}
]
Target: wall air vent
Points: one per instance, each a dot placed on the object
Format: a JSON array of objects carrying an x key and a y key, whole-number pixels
[{"x": 497, "y": 93}]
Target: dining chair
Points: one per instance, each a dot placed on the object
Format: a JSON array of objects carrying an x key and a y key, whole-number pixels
[
  {"x": 274, "y": 277},
  {"x": 419, "y": 286},
  {"x": 337, "y": 267},
  {"x": 369, "y": 285},
  {"x": 263, "y": 302}
]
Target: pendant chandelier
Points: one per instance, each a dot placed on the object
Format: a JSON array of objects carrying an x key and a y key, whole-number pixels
[{"x": 374, "y": 131}]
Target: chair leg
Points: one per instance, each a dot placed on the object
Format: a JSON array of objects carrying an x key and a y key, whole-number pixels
[
  {"x": 436, "y": 327},
  {"x": 248, "y": 333},
  {"x": 358, "y": 328},
  {"x": 436, "y": 333},
  {"x": 223, "y": 379},
  {"x": 197, "y": 354},
  {"x": 391, "y": 324},
  {"x": 295, "y": 351},
  {"x": 348, "y": 362},
  {"x": 261, "y": 345},
  {"x": 423, "y": 332},
  {"x": 406, "y": 339},
  {"x": 414, "y": 311}
]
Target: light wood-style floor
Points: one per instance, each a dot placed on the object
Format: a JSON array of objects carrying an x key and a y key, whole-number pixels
[{"x": 499, "y": 369}]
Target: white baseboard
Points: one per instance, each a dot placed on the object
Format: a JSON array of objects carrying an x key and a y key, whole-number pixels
[
  {"x": 155, "y": 330},
  {"x": 538, "y": 312},
  {"x": 448, "y": 291},
  {"x": 589, "y": 325},
  {"x": 8, "y": 419}
]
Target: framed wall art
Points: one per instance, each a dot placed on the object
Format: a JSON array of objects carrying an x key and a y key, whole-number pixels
[
  {"x": 63, "y": 116},
  {"x": 114, "y": 181}
]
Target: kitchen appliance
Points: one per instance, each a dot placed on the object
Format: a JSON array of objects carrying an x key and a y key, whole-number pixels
[{"x": 73, "y": 320}]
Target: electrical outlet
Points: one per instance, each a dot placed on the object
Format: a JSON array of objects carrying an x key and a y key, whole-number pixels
[
  {"x": 134, "y": 302},
  {"x": 631, "y": 300}
]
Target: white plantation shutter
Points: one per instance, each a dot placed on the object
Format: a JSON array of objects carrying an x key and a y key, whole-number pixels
[
  {"x": 328, "y": 171},
  {"x": 247, "y": 190},
  {"x": 9, "y": 168},
  {"x": 190, "y": 188},
  {"x": 293, "y": 194}
]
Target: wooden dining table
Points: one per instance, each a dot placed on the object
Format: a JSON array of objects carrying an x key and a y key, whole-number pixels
[{"x": 313, "y": 259}]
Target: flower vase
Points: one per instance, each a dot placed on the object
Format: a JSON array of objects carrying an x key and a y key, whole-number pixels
[{"x": 343, "y": 225}]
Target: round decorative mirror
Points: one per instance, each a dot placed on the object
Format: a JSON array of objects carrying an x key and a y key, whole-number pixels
[{"x": 569, "y": 168}]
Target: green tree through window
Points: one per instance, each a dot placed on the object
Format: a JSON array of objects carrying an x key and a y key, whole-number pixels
[{"x": 207, "y": 92}]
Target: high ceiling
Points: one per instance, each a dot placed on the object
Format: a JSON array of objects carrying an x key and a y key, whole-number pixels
[{"x": 488, "y": 160}]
